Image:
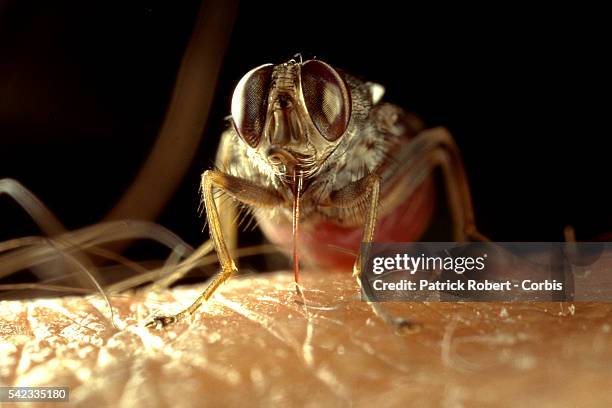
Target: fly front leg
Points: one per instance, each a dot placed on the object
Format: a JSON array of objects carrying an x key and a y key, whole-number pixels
[
  {"x": 242, "y": 190},
  {"x": 367, "y": 191},
  {"x": 413, "y": 165},
  {"x": 228, "y": 211}
]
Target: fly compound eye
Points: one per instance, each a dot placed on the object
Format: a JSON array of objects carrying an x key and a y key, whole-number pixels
[
  {"x": 250, "y": 103},
  {"x": 327, "y": 99}
]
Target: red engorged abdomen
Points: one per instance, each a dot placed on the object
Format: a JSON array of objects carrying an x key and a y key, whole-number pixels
[{"x": 330, "y": 246}]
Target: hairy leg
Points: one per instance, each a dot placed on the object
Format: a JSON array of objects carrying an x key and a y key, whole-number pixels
[
  {"x": 228, "y": 213},
  {"x": 366, "y": 191},
  {"x": 430, "y": 149},
  {"x": 244, "y": 191}
]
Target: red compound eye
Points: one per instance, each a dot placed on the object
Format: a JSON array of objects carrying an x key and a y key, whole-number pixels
[
  {"x": 327, "y": 98},
  {"x": 250, "y": 102}
]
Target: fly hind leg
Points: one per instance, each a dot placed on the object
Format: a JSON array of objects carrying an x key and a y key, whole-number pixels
[{"x": 436, "y": 148}]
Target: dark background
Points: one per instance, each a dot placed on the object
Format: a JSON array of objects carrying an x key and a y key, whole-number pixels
[{"x": 84, "y": 88}]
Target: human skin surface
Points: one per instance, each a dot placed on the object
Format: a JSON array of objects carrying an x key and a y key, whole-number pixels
[{"x": 253, "y": 343}]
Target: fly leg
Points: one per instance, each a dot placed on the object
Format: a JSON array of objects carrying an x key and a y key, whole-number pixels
[
  {"x": 242, "y": 190},
  {"x": 228, "y": 211},
  {"x": 429, "y": 150},
  {"x": 366, "y": 191},
  {"x": 434, "y": 148},
  {"x": 413, "y": 165},
  {"x": 228, "y": 215}
]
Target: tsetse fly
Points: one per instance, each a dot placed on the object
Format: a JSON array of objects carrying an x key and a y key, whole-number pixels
[{"x": 314, "y": 149}]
